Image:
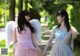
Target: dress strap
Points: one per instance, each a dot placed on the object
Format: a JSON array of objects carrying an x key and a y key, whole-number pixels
[{"x": 55, "y": 28}]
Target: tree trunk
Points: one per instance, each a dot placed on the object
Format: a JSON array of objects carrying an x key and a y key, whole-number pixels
[
  {"x": 12, "y": 10},
  {"x": 20, "y": 5},
  {"x": 35, "y": 13},
  {"x": 26, "y": 4}
]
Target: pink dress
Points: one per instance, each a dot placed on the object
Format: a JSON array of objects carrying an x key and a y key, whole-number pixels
[{"x": 24, "y": 45}]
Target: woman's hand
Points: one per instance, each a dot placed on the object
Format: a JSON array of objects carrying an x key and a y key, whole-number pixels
[
  {"x": 49, "y": 41},
  {"x": 43, "y": 54},
  {"x": 40, "y": 53},
  {"x": 36, "y": 44}
]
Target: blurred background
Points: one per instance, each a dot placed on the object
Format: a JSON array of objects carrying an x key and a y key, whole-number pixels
[{"x": 45, "y": 11}]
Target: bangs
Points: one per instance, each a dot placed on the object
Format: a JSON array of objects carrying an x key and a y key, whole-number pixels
[
  {"x": 27, "y": 13},
  {"x": 59, "y": 13}
]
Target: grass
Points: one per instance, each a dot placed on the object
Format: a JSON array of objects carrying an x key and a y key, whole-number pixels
[{"x": 2, "y": 43}]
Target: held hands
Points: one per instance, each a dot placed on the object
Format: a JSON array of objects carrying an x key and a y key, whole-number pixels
[
  {"x": 39, "y": 52},
  {"x": 42, "y": 53}
]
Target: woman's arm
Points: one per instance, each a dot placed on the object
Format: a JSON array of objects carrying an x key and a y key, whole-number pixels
[
  {"x": 14, "y": 39},
  {"x": 36, "y": 44},
  {"x": 74, "y": 32},
  {"x": 69, "y": 39},
  {"x": 49, "y": 42}
]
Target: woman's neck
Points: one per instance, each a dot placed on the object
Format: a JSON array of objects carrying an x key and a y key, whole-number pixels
[{"x": 62, "y": 26}]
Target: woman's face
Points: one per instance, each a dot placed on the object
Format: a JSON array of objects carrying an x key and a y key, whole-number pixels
[
  {"x": 60, "y": 19},
  {"x": 27, "y": 18}
]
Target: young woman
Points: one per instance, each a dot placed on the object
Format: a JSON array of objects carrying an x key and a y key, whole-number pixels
[
  {"x": 24, "y": 38},
  {"x": 64, "y": 35}
]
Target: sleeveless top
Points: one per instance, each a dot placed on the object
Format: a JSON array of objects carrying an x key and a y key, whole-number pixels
[
  {"x": 24, "y": 39},
  {"x": 60, "y": 34}
]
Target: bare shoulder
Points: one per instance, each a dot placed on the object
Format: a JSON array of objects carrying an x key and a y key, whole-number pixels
[
  {"x": 74, "y": 30},
  {"x": 54, "y": 29}
]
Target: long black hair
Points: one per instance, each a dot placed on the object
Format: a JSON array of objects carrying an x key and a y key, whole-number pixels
[
  {"x": 22, "y": 22},
  {"x": 63, "y": 13}
]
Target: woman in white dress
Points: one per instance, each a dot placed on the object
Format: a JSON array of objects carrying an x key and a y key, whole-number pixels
[{"x": 64, "y": 35}]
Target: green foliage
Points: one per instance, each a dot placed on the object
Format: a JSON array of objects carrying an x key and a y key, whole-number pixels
[
  {"x": 2, "y": 25},
  {"x": 75, "y": 21},
  {"x": 1, "y": 6},
  {"x": 2, "y": 43},
  {"x": 77, "y": 51},
  {"x": 0, "y": 12},
  {"x": 75, "y": 16},
  {"x": 4, "y": 12},
  {"x": 1, "y": 3}
]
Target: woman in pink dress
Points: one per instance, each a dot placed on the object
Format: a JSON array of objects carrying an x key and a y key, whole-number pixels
[{"x": 24, "y": 38}]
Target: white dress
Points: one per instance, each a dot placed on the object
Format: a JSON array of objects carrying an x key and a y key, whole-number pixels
[{"x": 61, "y": 46}]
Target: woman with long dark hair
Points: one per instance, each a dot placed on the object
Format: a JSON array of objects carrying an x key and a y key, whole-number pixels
[
  {"x": 64, "y": 36},
  {"x": 24, "y": 38}
]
